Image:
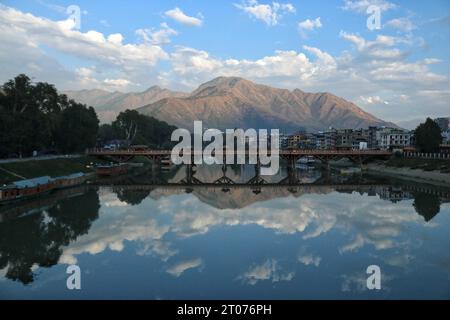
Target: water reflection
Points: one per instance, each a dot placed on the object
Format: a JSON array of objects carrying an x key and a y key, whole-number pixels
[
  {"x": 37, "y": 239},
  {"x": 312, "y": 241}
]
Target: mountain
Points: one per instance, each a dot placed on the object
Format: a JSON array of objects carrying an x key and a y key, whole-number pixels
[
  {"x": 232, "y": 102},
  {"x": 109, "y": 104}
]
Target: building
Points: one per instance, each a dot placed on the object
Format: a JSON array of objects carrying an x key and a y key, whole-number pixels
[
  {"x": 391, "y": 138},
  {"x": 344, "y": 139},
  {"x": 300, "y": 140}
]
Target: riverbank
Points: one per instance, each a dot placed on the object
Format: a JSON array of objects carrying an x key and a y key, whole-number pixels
[
  {"x": 435, "y": 177},
  {"x": 14, "y": 171}
]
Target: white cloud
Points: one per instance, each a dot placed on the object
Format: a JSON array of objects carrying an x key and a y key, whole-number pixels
[
  {"x": 117, "y": 83},
  {"x": 360, "y": 6},
  {"x": 22, "y": 32},
  {"x": 402, "y": 24},
  {"x": 310, "y": 24},
  {"x": 179, "y": 16},
  {"x": 115, "y": 38},
  {"x": 269, "y": 13},
  {"x": 372, "y": 100},
  {"x": 157, "y": 37}
]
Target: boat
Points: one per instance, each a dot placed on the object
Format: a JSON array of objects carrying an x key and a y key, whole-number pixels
[
  {"x": 28, "y": 188},
  {"x": 114, "y": 169},
  {"x": 350, "y": 170}
]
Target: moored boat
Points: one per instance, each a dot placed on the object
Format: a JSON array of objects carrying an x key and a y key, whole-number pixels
[
  {"x": 28, "y": 188},
  {"x": 112, "y": 169}
]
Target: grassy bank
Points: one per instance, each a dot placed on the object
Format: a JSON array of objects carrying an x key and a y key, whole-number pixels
[
  {"x": 53, "y": 168},
  {"x": 442, "y": 166}
]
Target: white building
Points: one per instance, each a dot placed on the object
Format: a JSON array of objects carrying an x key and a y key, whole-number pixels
[{"x": 389, "y": 138}]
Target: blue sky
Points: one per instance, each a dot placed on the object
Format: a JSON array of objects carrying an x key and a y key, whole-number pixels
[{"x": 398, "y": 72}]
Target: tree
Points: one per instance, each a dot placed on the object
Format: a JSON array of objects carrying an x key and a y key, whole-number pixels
[
  {"x": 137, "y": 128},
  {"x": 428, "y": 136},
  {"x": 33, "y": 116},
  {"x": 106, "y": 133},
  {"x": 78, "y": 128}
]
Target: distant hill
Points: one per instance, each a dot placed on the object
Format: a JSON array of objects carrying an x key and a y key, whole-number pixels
[
  {"x": 109, "y": 104},
  {"x": 232, "y": 102}
]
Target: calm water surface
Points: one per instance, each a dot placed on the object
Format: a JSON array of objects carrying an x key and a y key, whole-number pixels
[{"x": 277, "y": 242}]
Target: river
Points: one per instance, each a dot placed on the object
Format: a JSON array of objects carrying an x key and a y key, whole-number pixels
[{"x": 135, "y": 239}]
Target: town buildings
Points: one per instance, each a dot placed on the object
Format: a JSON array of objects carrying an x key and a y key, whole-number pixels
[{"x": 350, "y": 139}]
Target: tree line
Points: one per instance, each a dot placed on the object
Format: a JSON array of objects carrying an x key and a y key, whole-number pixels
[
  {"x": 137, "y": 129},
  {"x": 35, "y": 117}
]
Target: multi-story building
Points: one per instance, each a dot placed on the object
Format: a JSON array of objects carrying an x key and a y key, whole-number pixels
[
  {"x": 330, "y": 138},
  {"x": 391, "y": 138},
  {"x": 344, "y": 139},
  {"x": 294, "y": 140}
]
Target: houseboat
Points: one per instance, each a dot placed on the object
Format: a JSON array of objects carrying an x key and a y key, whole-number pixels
[
  {"x": 112, "y": 169},
  {"x": 71, "y": 180},
  {"x": 28, "y": 188}
]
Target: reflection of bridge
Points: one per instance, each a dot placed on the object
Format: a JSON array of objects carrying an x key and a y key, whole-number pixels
[
  {"x": 306, "y": 187},
  {"x": 291, "y": 155}
]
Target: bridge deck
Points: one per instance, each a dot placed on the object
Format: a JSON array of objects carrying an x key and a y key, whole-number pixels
[{"x": 296, "y": 152}]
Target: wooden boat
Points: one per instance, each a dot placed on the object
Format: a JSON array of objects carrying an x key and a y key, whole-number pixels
[
  {"x": 29, "y": 188},
  {"x": 112, "y": 169}
]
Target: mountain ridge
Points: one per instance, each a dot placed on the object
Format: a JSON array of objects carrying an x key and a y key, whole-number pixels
[
  {"x": 228, "y": 102},
  {"x": 109, "y": 104},
  {"x": 232, "y": 102}
]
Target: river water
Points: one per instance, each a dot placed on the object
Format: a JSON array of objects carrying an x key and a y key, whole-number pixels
[{"x": 133, "y": 240}]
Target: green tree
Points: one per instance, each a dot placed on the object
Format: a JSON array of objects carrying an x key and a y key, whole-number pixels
[
  {"x": 33, "y": 116},
  {"x": 78, "y": 128},
  {"x": 428, "y": 136},
  {"x": 137, "y": 128}
]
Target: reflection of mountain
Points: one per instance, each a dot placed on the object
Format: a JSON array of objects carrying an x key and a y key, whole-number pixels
[
  {"x": 236, "y": 198},
  {"x": 232, "y": 197},
  {"x": 38, "y": 239}
]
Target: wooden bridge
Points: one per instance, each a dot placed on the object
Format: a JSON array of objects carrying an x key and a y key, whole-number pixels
[{"x": 291, "y": 155}]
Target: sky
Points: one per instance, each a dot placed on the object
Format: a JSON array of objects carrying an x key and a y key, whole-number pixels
[{"x": 397, "y": 69}]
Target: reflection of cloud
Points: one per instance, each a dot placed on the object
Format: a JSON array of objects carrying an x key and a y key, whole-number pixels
[
  {"x": 362, "y": 219},
  {"x": 269, "y": 270},
  {"x": 307, "y": 258},
  {"x": 357, "y": 282},
  {"x": 178, "y": 269},
  {"x": 310, "y": 260}
]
